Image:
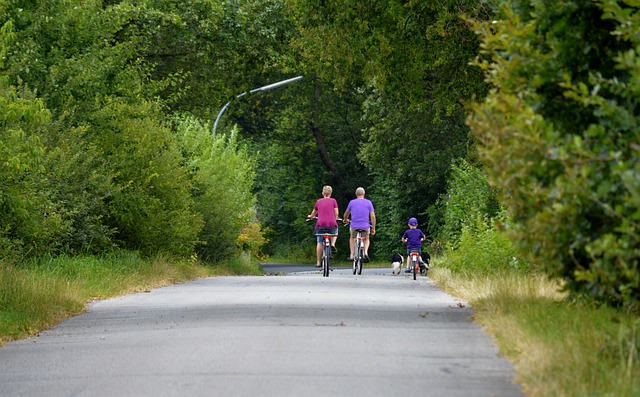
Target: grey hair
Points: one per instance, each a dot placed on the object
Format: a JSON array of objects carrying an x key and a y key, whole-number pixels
[
  {"x": 327, "y": 190},
  {"x": 359, "y": 192}
]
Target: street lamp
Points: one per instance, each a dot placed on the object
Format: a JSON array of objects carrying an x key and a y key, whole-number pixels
[{"x": 265, "y": 88}]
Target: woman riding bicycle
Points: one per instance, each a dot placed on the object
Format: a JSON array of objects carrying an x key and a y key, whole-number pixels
[{"x": 327, "y": 210}]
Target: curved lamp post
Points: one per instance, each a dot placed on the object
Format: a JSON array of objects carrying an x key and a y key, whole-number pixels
[{"x": 265, "y": 88}]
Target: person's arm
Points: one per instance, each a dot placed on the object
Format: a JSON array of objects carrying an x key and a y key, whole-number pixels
[
  {"x": 313, "y": 213},
  {"x": 335, "y": 212},
  {"x": 373, "y": 222},
  {"x": 345, "y": 217}
]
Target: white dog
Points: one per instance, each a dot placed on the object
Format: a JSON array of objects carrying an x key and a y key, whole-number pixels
[{"x": 396, "y": 263}]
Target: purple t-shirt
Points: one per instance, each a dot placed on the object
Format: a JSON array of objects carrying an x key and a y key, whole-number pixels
[
  {"x": 413, "y": 237},
  {"x": 326, "y": 212},
  {"x": 360, "y": 209}
]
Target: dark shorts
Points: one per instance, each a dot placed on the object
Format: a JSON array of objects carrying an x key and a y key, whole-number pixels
[{"x": 325, "y": 230}]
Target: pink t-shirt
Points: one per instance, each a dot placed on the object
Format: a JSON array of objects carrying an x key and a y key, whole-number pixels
[{"x": 326, "y": 212}]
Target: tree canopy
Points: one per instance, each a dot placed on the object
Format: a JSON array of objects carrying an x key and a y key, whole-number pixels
[{"x": 107, "y": 110}]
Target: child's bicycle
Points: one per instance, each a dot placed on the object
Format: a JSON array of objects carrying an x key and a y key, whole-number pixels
[
  {"x": 416, "y": 264},
  {"x": 326, "y": 249}
]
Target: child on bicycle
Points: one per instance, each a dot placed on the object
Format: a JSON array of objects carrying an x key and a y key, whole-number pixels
[{"x": 413, "y": 237}]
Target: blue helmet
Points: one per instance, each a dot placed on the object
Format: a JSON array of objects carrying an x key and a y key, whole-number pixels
[{"x": 413, "y": 221}]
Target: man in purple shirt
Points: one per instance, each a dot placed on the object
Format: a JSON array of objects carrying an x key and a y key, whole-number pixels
[{"x": 363, "y": 217}]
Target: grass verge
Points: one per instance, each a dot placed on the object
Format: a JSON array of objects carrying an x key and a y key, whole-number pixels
[
  {"x": 559, "y": 347},
  {"x": 36, "y": 295}
]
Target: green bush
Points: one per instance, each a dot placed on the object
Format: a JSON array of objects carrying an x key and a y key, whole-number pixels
[
  {"x": 468, "y": 198},
  {"x": 484, "y": 249},
  {"x": 151, "y": 207},
  {"x": 559, "y": 137},
  {"x": 222, "y": 173},
  {"x": 30, "y": 220}
]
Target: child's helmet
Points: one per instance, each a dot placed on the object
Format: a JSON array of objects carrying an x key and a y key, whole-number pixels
[{"x": 413, "y": 221}]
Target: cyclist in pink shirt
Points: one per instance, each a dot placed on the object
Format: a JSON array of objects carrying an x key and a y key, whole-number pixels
[{"x": 327, "y": 210}]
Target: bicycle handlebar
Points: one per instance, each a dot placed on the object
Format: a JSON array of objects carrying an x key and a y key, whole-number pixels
[{"x": 315, "y": 217}]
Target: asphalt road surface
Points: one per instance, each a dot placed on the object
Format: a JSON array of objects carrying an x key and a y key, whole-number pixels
[{"x": 291, "y": 334}]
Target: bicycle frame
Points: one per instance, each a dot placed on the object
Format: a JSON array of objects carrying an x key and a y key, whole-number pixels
[
  {"x": 326, "y": 248},
  {"x": 358, "y": 257},
  {"x": 326, "y": 252},
  {"x": 414, "y": 262}
]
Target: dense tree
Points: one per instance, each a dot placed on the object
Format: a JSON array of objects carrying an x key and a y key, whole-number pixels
[
  {"x": 410, "y": 62},
  {"x": 559, "y": 137},
  {"x": 29, "y": 220},
  {"x": 107, "y": 169}
]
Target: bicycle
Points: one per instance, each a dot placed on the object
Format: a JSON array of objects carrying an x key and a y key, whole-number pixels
[
  {"x": 414, "y": 262},
  {"x": 358, "y": 256},
  {"x": 326, "y": 249}
]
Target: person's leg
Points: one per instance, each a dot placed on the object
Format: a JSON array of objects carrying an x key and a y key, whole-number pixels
[
  {"x": 352, "y": 244},
  {"x": 366, "y": 236},
  {"x": 334, "y": 250},
  {"x": 319, "y": 255}
]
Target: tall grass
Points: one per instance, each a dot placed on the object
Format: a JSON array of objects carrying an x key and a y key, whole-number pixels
[
  {"x": 36, "y": 295},
  {"x": 560, "y": 347},
  {"x": 294, "y": 253}
]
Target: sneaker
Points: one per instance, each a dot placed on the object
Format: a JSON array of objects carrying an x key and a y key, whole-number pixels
[
  {"x": 407, "y": 270},
  {"x": 366, "y": 259},
  {"x": 334, "y": 250}
]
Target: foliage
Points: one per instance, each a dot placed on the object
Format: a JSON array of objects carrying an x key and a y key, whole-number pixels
[
  {"x": 468, "y": 198},
  {"x": 558, "y": 135},
  {"x": 222, "y": 172},
  {"x": 484, "y": 249},
  {"x": 292, "y": 170},
  {"x": 29, "y": 220},
  {"x": 152, "y": 209},
  {"x": 87, "y": 88},
  {"x": 409, "y": 63}
]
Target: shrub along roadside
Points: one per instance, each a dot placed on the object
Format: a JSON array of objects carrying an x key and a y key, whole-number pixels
[{"x": 39, "y": 294}]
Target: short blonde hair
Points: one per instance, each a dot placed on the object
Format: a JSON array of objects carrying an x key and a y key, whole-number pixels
[
  {"x": 326, "y": 191},
  {"x": 359, "y": 192}
]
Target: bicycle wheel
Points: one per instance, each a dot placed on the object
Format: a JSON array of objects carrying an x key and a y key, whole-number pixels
[
  {"x": 355, "y": 260},
  {"x": 414, "y": 265},
  {"x": 325, "y": 261},
  {"x": 356, "y": 256},
  {"x": 360, "y": 253}
]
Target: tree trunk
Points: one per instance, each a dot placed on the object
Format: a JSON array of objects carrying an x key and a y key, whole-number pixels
[{"x": 320, "y": 145}]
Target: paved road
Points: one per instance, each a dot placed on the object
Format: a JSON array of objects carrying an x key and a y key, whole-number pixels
[{"x": 290, "y": 335}]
